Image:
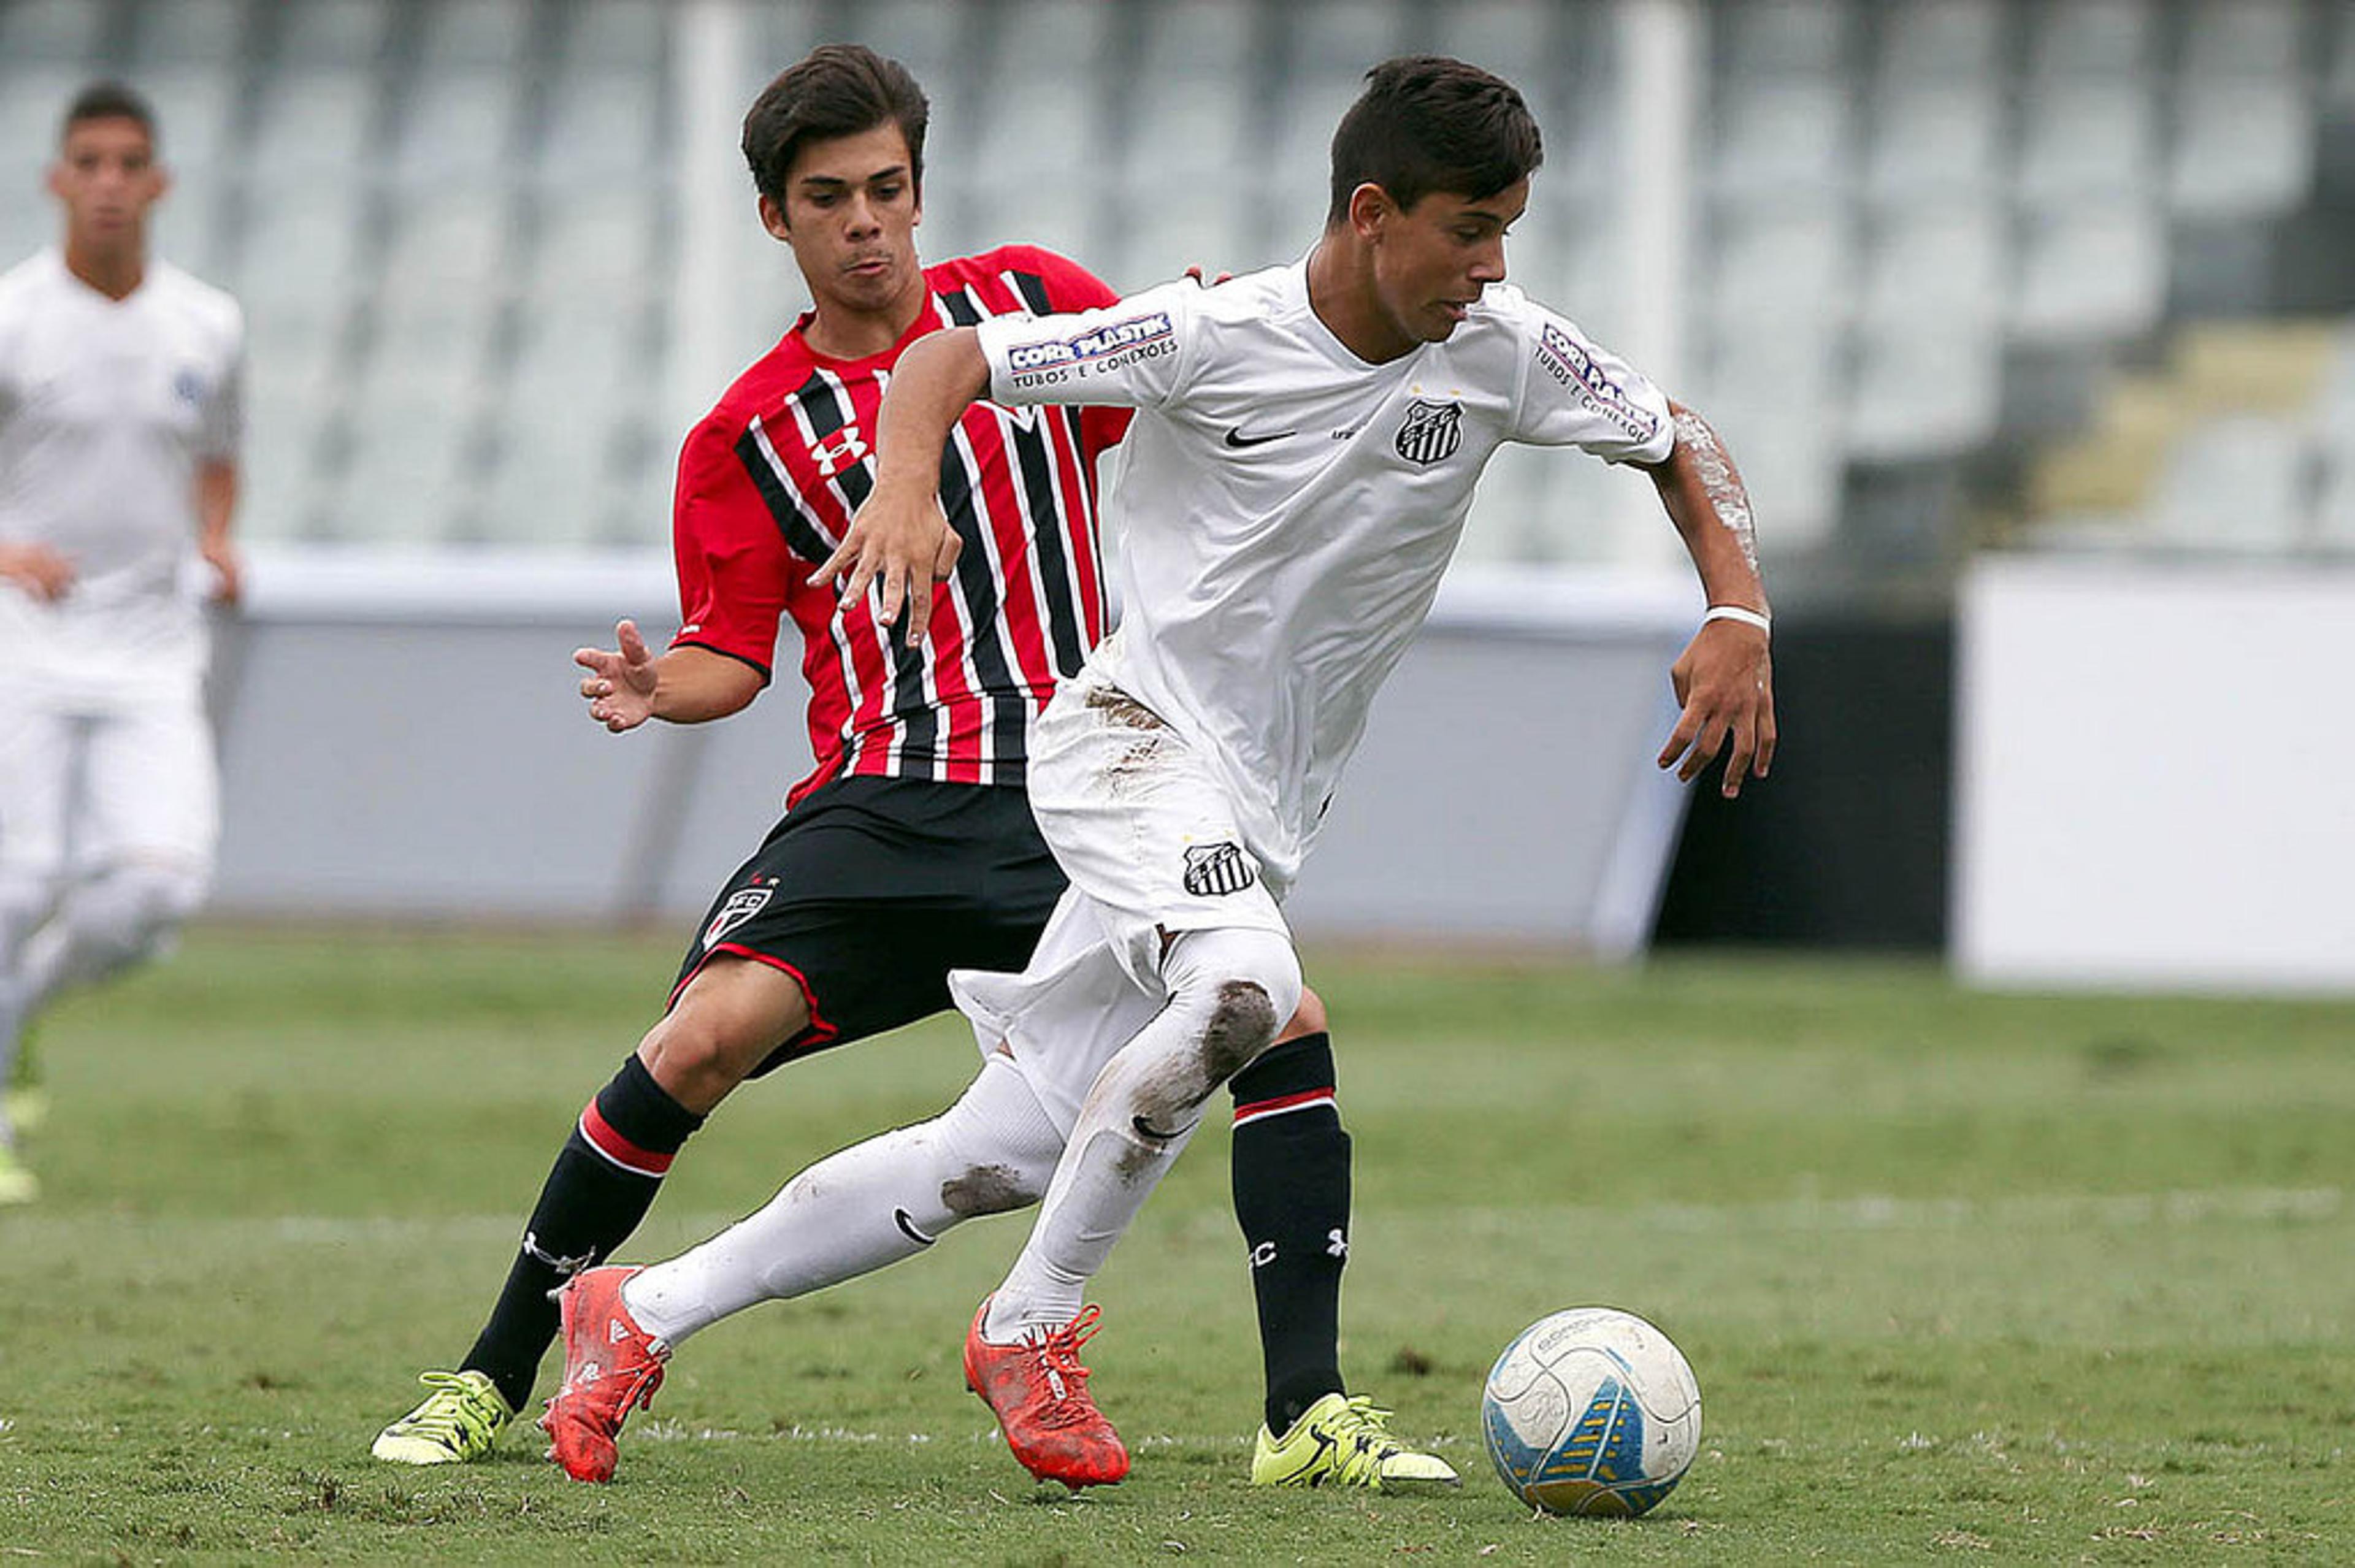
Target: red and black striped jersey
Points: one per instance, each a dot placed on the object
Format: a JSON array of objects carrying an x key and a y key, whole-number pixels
[{"x": 768, "y": 482}]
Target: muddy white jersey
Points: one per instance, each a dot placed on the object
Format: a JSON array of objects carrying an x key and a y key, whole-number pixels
[
  {"x": 106, "y": 407},
  {"x": 1287, "y": 508}
]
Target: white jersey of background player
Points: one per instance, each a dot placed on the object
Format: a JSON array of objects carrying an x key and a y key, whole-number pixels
[
  {"x": 1305, "y": 449},
  {"x": 119, "y": 423}
]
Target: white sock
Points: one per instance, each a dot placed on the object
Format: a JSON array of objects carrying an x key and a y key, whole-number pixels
[
  {"x": 1229, "y": 991},
  {"x": 862, "y": 1208}
]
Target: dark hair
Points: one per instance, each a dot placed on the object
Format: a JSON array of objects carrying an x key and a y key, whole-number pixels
[
  {"x": 837, "y": 89},
  {"x": 106, "y": 100},
  {"x": 1426, "y": 122}
]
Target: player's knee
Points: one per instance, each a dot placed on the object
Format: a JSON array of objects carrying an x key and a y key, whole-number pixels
[
  {"x": 1244, "y": 982},
  {"x": 1242, "y": 1022},
  {"x": 729, "y": 1019},
  {"x": 696, "y": 1061},
  {"x": 1308, "y": 1019}
]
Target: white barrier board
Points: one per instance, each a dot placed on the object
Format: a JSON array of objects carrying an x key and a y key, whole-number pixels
[{"x": 2157, "y": 775}]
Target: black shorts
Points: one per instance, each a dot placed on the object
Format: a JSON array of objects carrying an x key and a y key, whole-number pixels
[{"x": 871, "y": 889}]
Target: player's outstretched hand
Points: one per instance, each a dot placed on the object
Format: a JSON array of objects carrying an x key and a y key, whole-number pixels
[
  {"x": 901, "y": 540},
  {"x": 620, "y": 685},
  {"x": 1725, "y": 682},
  {"x": 37, "y": 569}
]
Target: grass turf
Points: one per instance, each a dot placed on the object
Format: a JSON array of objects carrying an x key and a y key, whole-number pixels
[{"x": 1963, "y": 1277}]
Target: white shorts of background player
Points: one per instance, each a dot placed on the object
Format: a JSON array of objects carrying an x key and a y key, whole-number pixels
[{"x": 109, "y": 815}]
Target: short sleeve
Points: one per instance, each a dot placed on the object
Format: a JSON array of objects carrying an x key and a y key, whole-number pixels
[
  {"x": 735, "y": 570},
  {"x": 1575, "y": 393},
  {"x": 1069, "y": 287},
  {"x": 221, "y": 429},
  {"x": 1131, "y": 353}
]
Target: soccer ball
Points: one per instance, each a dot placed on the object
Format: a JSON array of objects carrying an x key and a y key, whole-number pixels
[{"x": 1591, "y": 1411}]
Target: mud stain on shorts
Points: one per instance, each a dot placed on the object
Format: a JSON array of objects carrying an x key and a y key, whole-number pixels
[
  {"x": 1125, "y": 711},
  {"x": 1122, "y": 708}
]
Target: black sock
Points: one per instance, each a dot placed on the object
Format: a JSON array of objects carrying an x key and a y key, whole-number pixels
[
  {"x": 1292, "y": 1199},
  {"x": 600, "y": 1187}
]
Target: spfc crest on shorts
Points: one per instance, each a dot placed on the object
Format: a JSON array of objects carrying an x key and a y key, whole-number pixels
[
  {"x": 1214, "y": 868},
  {"x": 1432, "y": 430},
  {"x": 741, "y": 905}
]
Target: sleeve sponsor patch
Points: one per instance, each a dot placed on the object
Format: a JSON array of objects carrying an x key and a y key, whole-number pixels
[
  {"x": 1117, "y": 344},
  {"x": 1564, "y": 359}
]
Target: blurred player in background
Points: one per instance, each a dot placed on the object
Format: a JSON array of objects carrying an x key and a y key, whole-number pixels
[
  {"x": 1304, "y": 451},
  {"x": 910, "y": 849},
  {"x": 120, "y": 407}
]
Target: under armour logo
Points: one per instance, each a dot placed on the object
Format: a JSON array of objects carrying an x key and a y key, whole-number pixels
[
  {"x": 566, "y": 1267},
  {"x": 1337, "y": 1245},
  {"x": 838, "y": 452}
]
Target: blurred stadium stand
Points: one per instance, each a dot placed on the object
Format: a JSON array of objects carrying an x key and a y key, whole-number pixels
[{"x": 1924, "y": 230}]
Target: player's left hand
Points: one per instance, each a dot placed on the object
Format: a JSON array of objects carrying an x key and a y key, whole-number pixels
[
  {"x": 1725, "y": 682},
  {"x": 228, "y": 572},
  {"x": 903, "y": 539}
]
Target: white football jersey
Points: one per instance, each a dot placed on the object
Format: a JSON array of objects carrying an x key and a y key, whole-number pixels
[
  {"x": 106, "y": 407},
  {"x": 1286, "y": 509}
]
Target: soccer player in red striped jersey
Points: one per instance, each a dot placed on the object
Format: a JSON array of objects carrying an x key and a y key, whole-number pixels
[{"x": 910, "y": 849}]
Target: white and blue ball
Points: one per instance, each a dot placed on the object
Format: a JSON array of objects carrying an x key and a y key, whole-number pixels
[{"x": 1592, "y": 1411}]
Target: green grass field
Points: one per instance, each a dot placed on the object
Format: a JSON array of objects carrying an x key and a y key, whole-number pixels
[{"x": 1963, "y": 1278}]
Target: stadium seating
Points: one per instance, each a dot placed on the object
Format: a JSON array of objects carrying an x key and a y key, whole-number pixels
[{"x": 455, "y": 215}]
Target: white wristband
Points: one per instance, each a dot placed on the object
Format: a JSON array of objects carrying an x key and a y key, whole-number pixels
[{"x": 1736, "y": 612}]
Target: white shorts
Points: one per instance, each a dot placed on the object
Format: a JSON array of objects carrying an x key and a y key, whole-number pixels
[
  {"x": 1140, "y": 825},
  {"x": 1065, "y": 1016},
  {"x": 84, "y": 787},
  {"x": 1147, "y": 837}
]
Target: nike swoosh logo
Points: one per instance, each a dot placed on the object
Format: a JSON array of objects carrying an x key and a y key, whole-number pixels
[
  {"x": 1145, "y": 1129},
  {"x": 907, "y": 1224},
  {"x": 1238, "y": 440}
]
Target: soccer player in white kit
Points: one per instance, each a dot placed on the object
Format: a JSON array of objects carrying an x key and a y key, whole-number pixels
[
  {"x": 119, "y": 423},
  {"x": 1304, "y": 450}
]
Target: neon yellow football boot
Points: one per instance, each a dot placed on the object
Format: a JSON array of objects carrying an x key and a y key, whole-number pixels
[
  {"x": 458, "y": 1422},
  {"x": 1341, "y": 1441}
]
